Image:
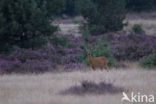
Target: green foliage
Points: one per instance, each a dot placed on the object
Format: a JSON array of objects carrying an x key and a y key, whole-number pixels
[
  {"x": 84, "y": 56},
  {"x": 140, "y": 5},
  {"x": 85, "y": 35},
  {"x": 149, "y": 61},
  {"x": 70, "y": 7},
  {"x": 24, "y": 24},
  {"x": 63, "y": 41},
  {"x": 53, "y": 8},
  {"x": 99, "y": 48},
  {"x": 35, "y": 43},
  {"x": 102, "y": 49},
  {"x": 103, "y": 15},
  {"x": 137, "y": 28}
]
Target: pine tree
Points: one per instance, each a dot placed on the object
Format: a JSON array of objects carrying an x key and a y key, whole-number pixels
[
  {"x": 24, "y": 24},
  {"x": 103, "y": 15}
]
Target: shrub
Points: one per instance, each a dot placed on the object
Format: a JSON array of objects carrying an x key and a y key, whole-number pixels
[
  {"x": 87, "y": 87},
  {"x": 102, "y": 49},
  {"x": 132, "y": 47},
  {"x": 44, "y": 59},
  {"x": 103, "y": 15},
  {"x": 137, "y": 29},
  {"x": 149, "y": 61},
  {"x": 8, "y": 66},
  {"x": 24, "y": 24},
  {"x": 85, "y": 35},
  {"x": 128, "y": 47},
  {"x": 60, "y": 40},
  {"x": 30, "y": 66}
]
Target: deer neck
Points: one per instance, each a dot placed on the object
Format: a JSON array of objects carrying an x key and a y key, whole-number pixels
[{"x": 90, "y": 58}]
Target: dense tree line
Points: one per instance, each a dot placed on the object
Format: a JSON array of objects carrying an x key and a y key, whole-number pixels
[
  {"x": 24, "y": 24},
  {"x": 27, "y": 23},
  {"x": 140, "y": 5}
]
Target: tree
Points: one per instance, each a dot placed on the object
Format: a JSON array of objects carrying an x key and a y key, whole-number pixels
[
  {"x": 103, "y": 15},
  {"x": 140, "y": 5},
  {"x": 24, "y": 24},
  {"x": 53, "y": 8}
]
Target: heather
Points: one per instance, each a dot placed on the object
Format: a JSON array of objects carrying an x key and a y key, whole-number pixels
[
  {"x": 69, "y": 52},
  {"x": 45, "y": 59},
  {"x": 88, "y": 87},
  {"x": 133, "y": 47},
  {"x": 129, "y": 46}
]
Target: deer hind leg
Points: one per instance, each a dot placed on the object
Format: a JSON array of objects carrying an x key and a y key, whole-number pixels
[
  {"x": 106, "y": 67},
  {"x": 93, "y": 67}
]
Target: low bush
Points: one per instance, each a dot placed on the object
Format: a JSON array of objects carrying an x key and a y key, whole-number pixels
[
  {"x": 132, "y": 47},
  {"x": 103, "y": 49},
  {"x": 149, "y": 61},
  {"x": 137, "y": 29},
  {"x": 44, "y": 59},
  {"x": 129, "y": 47},
  {"x": 87, "y": 87},
  {"x": 30, "y": 66}
]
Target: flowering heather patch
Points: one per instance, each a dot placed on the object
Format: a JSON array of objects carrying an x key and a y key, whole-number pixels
[
  {"x": 71, "y": 55},
  {"x": 129, "y": 47},
  {"x": 44, "y": 59},
  {"x": 133, "y": 47},
  {"x": 25, "y": 55},
  {"x": 120, "y": 65},
  {"x": 47, "y": 58},
  {"x": 74, "y": 66},
  {"x": 38, "y": 66},
  {"x": 87, "y": 87},
  {"x": 8, "y": 66}
]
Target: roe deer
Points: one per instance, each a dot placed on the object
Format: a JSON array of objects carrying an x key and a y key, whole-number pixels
[{"x": 97, "y": 62}]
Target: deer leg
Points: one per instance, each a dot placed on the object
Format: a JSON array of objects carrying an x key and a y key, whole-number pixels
[
  {"x": 106, "y": 67},
  {"x": 93, "y": 67}
]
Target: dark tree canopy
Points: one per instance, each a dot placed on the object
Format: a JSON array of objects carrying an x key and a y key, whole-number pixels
[
  {"x": 103, "y": 15},
  {"x": 24, "y": 24},
  {"x": 140, "y": 5}
]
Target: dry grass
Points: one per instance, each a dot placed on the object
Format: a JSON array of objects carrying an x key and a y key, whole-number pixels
[
  {"x": 149, "y": 26},
  {"x": 45, "y": 88},
  {"x": 147, "y": 20},
  {"x": 72, "y": 29},
  {"x": 70, "y": 26}
]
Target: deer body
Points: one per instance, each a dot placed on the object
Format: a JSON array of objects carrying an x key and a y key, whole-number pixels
[{"x": 98, "y": 62}]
